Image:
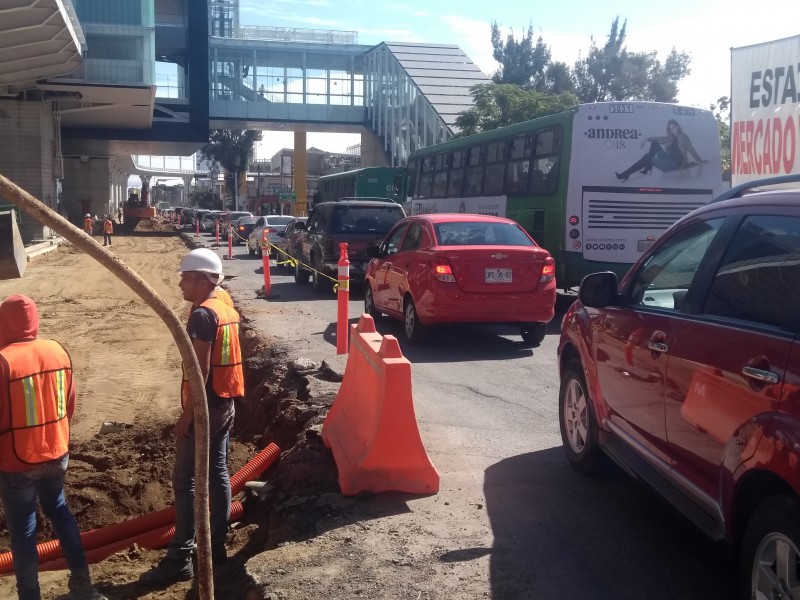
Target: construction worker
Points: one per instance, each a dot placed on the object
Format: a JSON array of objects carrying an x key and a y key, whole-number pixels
[
  {"x": 88, "y": 224},
  {"x": 37, "y": 400},
  {"x": 108, "y": 229},
  {"x": 214, "y": 330}
]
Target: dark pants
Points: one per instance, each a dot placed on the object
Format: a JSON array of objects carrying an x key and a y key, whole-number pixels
[{"x": 106, "y": 239}]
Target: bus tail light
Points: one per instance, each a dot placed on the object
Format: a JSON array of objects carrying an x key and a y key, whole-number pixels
[
  {"x": 548, "y": 271},
  {"x": 442, "y": 270}
]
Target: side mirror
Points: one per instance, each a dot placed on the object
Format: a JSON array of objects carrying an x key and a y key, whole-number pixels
[
  {"x": 599, "y": 289},
  {"x": 373, "y": 251}
]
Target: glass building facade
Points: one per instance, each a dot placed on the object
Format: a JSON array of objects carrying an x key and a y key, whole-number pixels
[
  {"x": 120, "y": 41},
  {"x": 414, "y": 93}
]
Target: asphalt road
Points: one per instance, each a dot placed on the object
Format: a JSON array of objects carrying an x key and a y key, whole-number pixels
[{"x": 487, "y": 408}]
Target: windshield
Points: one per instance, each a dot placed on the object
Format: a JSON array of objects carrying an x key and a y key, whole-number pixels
[{"x": 279, "y": 220}]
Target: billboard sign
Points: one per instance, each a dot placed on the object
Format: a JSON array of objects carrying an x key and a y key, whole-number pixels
[{"x": 765, "y": 110}]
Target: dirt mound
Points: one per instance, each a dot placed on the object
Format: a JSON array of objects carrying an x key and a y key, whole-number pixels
[
  {"x": 154, "y": 226},
  {"x": 128, "y": 473}
]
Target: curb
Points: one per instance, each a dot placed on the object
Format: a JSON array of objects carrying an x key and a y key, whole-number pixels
[{"x": 41, "y": 248}]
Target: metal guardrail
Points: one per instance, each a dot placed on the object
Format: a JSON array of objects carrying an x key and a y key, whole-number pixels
[{"x": 291, "y": 34}]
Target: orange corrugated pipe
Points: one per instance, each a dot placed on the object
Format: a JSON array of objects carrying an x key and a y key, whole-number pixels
[
  {"x": 51, "y": 550},
  {"x": 155, "y": 538}
]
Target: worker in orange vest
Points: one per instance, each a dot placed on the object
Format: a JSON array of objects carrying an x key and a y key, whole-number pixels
[
  {"x": 88, "y": 224},
  {"x": 108, "y": 229},
  {"x": 214, "y": 330},
  {"x": 37, "y": 400}
]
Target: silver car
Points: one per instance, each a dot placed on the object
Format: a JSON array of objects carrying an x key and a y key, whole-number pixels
[{"x": 273, "y": 225}]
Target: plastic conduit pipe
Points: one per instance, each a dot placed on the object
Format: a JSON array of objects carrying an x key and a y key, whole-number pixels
[
  {"x": 51, "y": 550},
  {"x": 156, "y": 538}
]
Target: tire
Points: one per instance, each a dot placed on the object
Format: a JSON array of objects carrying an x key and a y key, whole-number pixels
[
  {"x": 300, "y": 275},
  {"x": 769, "y": 565},
  {"x": 576, "y": 420},
  {"x": 413, "y": 330},
  {"x": 369, "y": 303},
  {"x": 321, "y": 284},
  {"x": 533, "y": 333}
]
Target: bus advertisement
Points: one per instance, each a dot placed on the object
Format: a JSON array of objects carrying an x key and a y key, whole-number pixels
[
  {"x": 594, "y": 185},
  {"x": 765, "y": 110}
]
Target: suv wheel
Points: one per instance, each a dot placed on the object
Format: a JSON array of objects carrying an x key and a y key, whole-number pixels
[
  {"x": 369, "y": 303},
  {"x": 300, "y": 275},
  {"x": 770, "y": 550},
  {"x": 414, "y": 331},
  {"x": 533, "y": 333},
  {"x": 321, "y": 283},
  {"x": 576, "y": 419}
]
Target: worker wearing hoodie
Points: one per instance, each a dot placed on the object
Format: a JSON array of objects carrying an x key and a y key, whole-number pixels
[{"x": 37, "y": 400}]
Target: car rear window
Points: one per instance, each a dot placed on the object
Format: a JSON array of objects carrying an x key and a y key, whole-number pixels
[
  {"x": 247, "y": 221},
  {"x": 365, "y": 219},
  {"x": 279, "y": 220},
  {"x": 465, "y": 233}
]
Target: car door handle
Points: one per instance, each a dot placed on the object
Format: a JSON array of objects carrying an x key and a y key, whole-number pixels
[
  {"x": 657, "y": 347},
  {"x": 760, "y": 375}
]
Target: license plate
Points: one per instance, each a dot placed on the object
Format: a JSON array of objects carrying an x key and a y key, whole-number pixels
[
  {"x": 497, "y": 275},
  {"x": 645, "y": 244}
]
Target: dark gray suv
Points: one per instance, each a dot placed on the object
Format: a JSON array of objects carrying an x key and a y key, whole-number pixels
[{"x": 357, "y": 222}]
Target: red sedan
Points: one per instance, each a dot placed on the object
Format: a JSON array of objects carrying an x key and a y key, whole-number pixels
[{"x": 461, "y": 268}]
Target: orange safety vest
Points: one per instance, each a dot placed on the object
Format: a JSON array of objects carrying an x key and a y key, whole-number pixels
[
  {"x": 40, "y": 379},
  {"x": 88, "y": 225},
  {"x": 108, "y": 227},
  {"x": 226, "y": 354}
]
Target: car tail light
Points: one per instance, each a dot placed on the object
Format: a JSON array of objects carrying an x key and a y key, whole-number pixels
[
  {"x": 270, "y": 229},
  {"x": 548, "y": 271},
  {"x": 442, "y": 271},
  {"x": 241, "y": 227}
]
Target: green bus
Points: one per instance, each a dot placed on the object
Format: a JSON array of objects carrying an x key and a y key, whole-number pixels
[
  {"x": 594, "y": 185},
  {"x": 368, "y": 182}
]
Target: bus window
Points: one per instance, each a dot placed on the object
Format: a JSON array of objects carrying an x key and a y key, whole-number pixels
[
  {"x": 474, "y": 175},
  {"x": 517, "y": 176},
  {"x": 425, "y": 178},
  {"x": 495, "y": 169},
  {"x": 455, "y": 183},
  {"x": 439, "y": 176}
]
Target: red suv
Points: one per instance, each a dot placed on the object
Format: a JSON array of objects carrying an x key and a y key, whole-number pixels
[{"x": 687, "y": 374}]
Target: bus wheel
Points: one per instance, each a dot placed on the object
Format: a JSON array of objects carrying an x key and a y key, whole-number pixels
[{"x": 533, "y": 333}]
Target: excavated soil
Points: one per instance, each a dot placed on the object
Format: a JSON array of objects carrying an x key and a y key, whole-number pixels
[{"x": 127, "y": 371}]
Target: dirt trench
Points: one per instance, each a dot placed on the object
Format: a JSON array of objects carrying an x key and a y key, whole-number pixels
[{"x": 124, "y": 474}]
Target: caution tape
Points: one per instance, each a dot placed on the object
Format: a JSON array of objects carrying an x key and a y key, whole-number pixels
[{"x": 293, "y": 263}]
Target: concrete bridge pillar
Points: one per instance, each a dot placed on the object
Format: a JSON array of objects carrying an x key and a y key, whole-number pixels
[
  {"x": 300, "y": 174},
  {"x": 87, "y": 186}
]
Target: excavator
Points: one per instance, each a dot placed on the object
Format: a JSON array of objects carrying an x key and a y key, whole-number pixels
[{"x": 138, "y": 207}]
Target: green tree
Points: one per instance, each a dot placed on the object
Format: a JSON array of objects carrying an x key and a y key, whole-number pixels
[
  {"x": 202, "y": 198},
  {"x": 232, "y": 149},
  {"x": 523, "y": 63},
  {"x": 721, "y": 111},
  {"x": 497, "y": 105},
  {"x": 612, "y": 73}
]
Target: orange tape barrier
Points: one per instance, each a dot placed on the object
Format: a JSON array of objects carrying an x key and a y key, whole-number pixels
[{"x": 372, "y": 427}]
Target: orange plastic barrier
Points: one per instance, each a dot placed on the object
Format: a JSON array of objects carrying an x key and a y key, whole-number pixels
[{"x": 372, "y": 427}]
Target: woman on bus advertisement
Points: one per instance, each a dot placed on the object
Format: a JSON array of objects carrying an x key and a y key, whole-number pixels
[{"x": 666, "y": 153}]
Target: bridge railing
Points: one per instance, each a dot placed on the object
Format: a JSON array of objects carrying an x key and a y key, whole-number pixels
[{"x": 292, "y": 34}]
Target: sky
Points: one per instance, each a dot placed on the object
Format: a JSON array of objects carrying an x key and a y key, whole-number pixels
[{"x": 705, "y": 29}]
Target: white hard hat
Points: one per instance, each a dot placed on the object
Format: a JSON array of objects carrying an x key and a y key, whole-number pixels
[
  {"x": 88, "y": 216},
  {"x": 203, "y": 260}
]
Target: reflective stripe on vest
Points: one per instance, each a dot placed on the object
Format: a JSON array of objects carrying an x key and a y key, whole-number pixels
[
  {"x": 40, "y": 376},
  {"x": 227, "y": 375}
]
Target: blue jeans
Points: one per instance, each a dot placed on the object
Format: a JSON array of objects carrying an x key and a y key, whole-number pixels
[
  {"x": 219, "y": 485},
  {"x": 19, "y": 492}
]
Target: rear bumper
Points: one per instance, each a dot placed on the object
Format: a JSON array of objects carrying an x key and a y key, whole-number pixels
[{"x": 450, "y": 305}]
